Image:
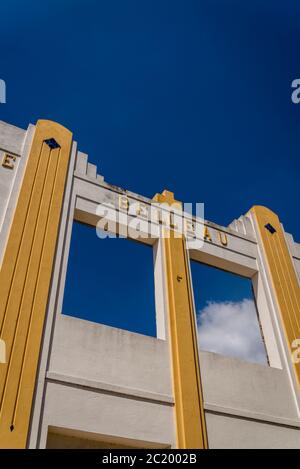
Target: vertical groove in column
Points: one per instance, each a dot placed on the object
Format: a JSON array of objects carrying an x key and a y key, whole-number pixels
[
  {"x": 25, "y": 276},
  {"x": 19, "y": 277},
  {"x": 283, "y": 277},
  {"x": 189, "y": 407},
  {"x": 36, "y": 257}
]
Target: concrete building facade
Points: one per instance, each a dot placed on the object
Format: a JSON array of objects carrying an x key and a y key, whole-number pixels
[{"x": 71, "y": 383}]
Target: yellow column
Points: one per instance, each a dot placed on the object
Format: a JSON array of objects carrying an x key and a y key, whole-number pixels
[
  {"x": 282, "y": 274},
  {"x": 189, "y": 410},
  {"x": 25, "y": 276}
]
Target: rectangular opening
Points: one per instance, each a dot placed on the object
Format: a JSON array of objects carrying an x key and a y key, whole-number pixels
[
  {"x": 227, "y": 317},
  {"x": 110, "y": 281}
]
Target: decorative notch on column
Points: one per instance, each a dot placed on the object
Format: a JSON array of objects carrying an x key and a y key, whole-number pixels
[
  {"x": 52, "y": 143},
  {"x": 270, "y": 228}
]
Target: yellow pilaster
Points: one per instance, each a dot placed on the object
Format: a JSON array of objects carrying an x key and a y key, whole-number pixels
[
  {"x": 282, "y": 274},
  {"x": 25, "y": 276},
  {"x": 189, "y": 410}
]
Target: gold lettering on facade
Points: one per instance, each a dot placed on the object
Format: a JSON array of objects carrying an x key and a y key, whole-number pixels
[
  {"x": 155, "y": 214},
  {"x": 207, "y": 235},
  {"x": 223, "y": 238},
  {"x": 142, "y": 210},
  {"x": 189, "y": 227},
  {"x": 8, "y": 161},
  {"x": 173, "y": 223},
  {"x": 123, "y": 203},
  {"x": 161, "y": 213}
]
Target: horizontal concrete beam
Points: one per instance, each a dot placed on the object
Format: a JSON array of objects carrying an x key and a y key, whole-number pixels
[
  {"x": 238, "y": 255},
  {"x": 110, "y": 388}
]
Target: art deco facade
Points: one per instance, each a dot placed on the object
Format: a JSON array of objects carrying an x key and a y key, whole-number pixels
[{"x": 68, "y": 382}]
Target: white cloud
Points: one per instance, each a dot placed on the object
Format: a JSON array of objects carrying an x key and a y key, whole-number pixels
[{"x": 231, "y": 329}]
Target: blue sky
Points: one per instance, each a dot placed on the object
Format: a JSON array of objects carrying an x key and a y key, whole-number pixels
[
  {"x": 189, "y": 96},
  {"x": 110, "y": 281}
]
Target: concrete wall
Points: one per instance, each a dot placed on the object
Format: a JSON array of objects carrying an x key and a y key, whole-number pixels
[
  {"x": 108, "y": 381},
  {"x": 227, "y": 432},
  {"x": 248, "y": 405}
]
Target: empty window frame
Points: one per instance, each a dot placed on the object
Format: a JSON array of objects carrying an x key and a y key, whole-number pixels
[
  {"x": 110, "y": 281},
  {"x": 227, "y": 318}
]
